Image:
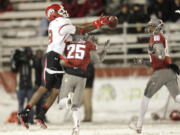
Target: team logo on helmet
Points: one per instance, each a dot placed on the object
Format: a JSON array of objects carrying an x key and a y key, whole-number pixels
[
  {"x": 50, "y": 11},
  {"x": 53, "y": 11}
]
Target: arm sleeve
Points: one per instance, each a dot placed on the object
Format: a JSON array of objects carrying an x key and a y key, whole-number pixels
[{"x": 67, "y": 29}]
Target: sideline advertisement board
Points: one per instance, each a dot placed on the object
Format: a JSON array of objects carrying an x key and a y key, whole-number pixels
[{"x": 122, "y": 96}]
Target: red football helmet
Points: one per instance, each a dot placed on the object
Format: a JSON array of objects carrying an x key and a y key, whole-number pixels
[
  {"x": 175, "y": 115},
  {"x": 53, "y": 11}
]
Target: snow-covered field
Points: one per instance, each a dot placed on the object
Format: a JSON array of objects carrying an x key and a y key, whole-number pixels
[
  {"x": 163, "y": 128},
  {"x": 112, "y": 112}
]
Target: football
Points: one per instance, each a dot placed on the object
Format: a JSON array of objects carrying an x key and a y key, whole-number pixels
[{"x": 114, "y": 22}]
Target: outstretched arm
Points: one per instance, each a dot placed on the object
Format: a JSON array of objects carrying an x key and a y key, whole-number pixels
[
  {"x": 103, "y": 53},
  {"x": 85, "y": 28},
  {"x": 99, "y": 58},
  {"x": 88, "y": 27}
]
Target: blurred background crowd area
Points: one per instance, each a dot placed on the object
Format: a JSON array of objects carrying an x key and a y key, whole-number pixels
[
  {"x": 23, "y": 24},
  {"x": 131, "y": 11}
]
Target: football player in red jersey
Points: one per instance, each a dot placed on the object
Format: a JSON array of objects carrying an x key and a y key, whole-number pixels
[
  {"x": 60, "y": 28},
  {"x": 78, "y": 57},
  {"x": 165, "y": 73}
]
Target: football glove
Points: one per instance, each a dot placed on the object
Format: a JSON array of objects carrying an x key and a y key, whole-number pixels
[
  {"x": 174, "y": 68},
  {"x": 101, "y": 21}
]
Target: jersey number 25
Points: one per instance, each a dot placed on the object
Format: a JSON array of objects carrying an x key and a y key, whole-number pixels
[{"x": 76, "y": 51}]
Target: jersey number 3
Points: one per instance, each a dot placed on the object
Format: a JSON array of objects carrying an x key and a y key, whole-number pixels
[
  {"x": 50, "y": 36},
  {"x": 76, "y": 51}
]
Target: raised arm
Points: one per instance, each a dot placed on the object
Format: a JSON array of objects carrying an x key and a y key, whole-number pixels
[
  {"x": 88, "y": 27},
  {"x": 97, "y": 58}
]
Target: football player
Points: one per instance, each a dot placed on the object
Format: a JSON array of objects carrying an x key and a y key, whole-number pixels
[
  {"x": 60, "y": 28},
  {"x": 78, "y": 57},
  {"x": 165, "y": 73}
]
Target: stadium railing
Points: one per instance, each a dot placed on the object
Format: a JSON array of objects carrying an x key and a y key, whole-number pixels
[
  {"x": 19, "y": 29},
  {"x": 121, "y": 43}
]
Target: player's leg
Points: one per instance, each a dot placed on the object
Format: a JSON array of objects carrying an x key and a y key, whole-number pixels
[
  {"x": 36, "y": 96},
  {"x": 76, "y": 119},
  {"x": 66, "y": 87},
  {"x": 53, "y": 83},
  {"x": 154, "y": 84},
  {"x": 173, "y": 87},
  {"x": 24, "y": 114},
  {"x": 39, "y": 105},
  {"x": 50, "y": 99},
  {"x": 77, "y": 99},
  {"x": 53, "y": 80},
  {"x": 48, "y": 102},
  {"x": 31, "y": 114}
]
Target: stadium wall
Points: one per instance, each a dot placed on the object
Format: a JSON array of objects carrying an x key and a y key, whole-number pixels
[
  {"x": 8, "y": 78},
  {"x": 122, "y": 96}
]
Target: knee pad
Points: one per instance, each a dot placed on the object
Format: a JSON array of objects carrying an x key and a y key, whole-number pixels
[{"x": 177, "y": 98}]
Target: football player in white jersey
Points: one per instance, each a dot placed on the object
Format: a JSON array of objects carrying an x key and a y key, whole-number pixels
[{"x": 60, "y": 28}]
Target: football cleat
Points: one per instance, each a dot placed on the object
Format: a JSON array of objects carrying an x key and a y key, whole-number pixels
[
  {"x": 41, "y": 122},
  {"x": 75, "y": 131},
  {"x": 23, "y": 118},
  {"x": 133, "y": 126}
]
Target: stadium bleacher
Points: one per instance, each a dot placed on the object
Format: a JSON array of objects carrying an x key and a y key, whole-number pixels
[{"x": 19, "y": 29}]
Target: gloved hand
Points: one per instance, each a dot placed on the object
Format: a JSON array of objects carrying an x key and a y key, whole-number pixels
[
  {"x": 174, "y": 68},
  {"x": 101, "y": 21}
]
